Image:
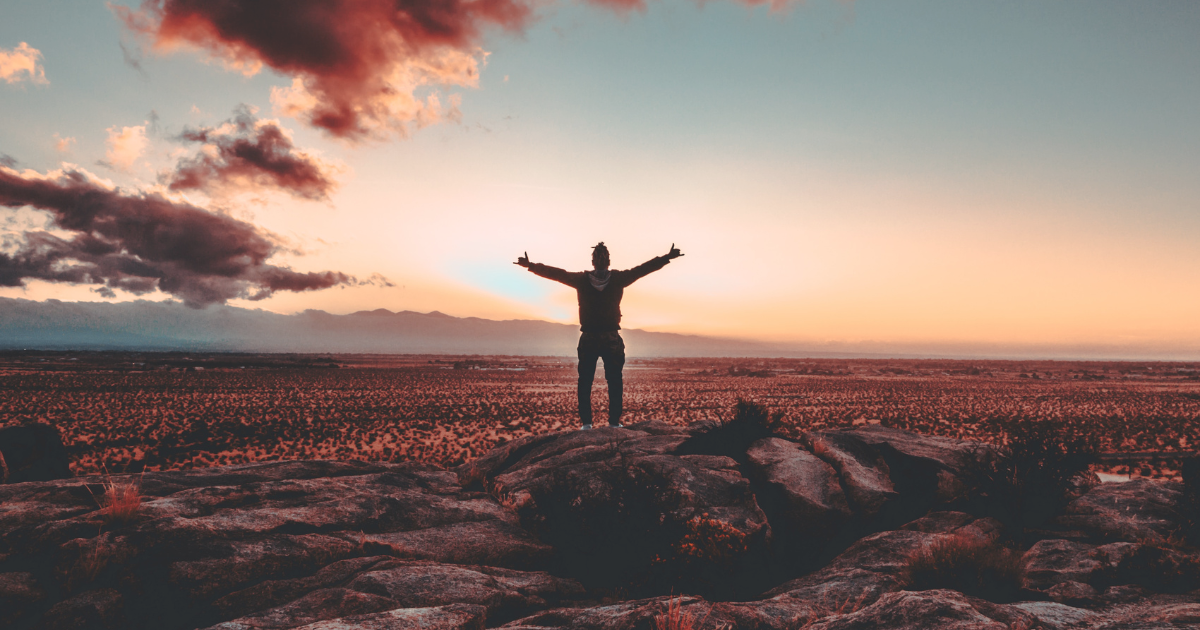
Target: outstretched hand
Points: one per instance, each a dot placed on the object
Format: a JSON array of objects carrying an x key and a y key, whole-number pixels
[
  {"x": 674, "y": 253},
  {"x": 523, "y": 260}
]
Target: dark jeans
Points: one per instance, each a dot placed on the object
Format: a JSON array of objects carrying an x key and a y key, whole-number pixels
[{"x": 610, "y": 347}]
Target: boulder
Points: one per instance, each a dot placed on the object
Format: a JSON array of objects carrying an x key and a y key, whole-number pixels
[
  {"x": 922, "y": 470},
  {"x": 1058, "y": 616},
  {"x": 861, "y": 469},
  {"x": 33, "y": 452},
  {"x": 1050, "y": 562},
  {"x": 872, "y": 566},
  {"x": 1074, "y": 594},
  {"x": 1134, "y": 511},
  {"x": 799, "y": 490},
  {"x": 612, "y": 500}
]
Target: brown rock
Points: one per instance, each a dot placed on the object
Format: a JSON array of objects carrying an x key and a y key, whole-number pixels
[
  {"x": 452, "y": 617},
  {"x": 494, "y": 543},
  {"x": 17, "y": 592},
  {"x": 929, "y": 610},
  {"x": 33, "y": 452},
  {"x": 1051, "y": 562},
  {"x": 811, "y": 502},
  {"x": 101, "y": 609},
  {"x": 1074, "y": 594},
  {"x": 504, "y": 592},
  {"x": 863, "y": 472},
  {"x": 1138, "y": 510},
  {"x": 318, "y": 605}
]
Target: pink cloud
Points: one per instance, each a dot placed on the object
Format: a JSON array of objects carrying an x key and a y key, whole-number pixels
[{"x": 22, "y": 63}]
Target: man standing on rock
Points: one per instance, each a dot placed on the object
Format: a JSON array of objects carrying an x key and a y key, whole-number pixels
[{"x": 600, "y": 292}]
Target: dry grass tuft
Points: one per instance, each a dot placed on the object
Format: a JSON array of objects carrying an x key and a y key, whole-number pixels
[
  {"x": 971, "y": 566},
  {"x": 120, "y": 501},
  {"x": 676, "y": 618}
]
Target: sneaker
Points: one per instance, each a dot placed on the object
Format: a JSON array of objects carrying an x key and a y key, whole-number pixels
[
  {"x": 615, "y": 426},
  {"x": 585, "y": 427}
]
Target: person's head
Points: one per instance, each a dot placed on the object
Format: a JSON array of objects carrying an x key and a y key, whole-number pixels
[{"x": 600, "y": 256}]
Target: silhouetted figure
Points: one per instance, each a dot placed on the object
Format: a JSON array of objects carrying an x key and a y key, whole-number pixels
[{"x": 600, "y": 292}]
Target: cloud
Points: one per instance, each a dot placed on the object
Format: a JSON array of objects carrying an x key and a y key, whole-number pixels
[
  {"x": 63, "y": 145},
  {"x": 22, "y": 63},
  {"x": 139, "y": 242},
  {"x": 360, "y": 67},
  {"x": 246, "y": 152},
  {"x": 125, "y": 146}
]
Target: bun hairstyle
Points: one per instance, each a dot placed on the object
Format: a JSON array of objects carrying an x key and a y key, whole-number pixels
[{"x": 599, "y": 251}]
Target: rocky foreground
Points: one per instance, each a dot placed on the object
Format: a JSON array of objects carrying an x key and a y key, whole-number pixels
[{"x": 817, "y": 533}]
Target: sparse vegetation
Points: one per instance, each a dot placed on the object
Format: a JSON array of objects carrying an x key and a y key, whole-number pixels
[
  {"x": 750, "y": 421},
  {"x": 120, "y": 500},
  {"x": 135, "y": 411},
  {"x": 676, "y": 618},
  {"x": 1031, "y": 474},
  {"x": 972, "y": 566},
  {"x": 620, "y": 526}
]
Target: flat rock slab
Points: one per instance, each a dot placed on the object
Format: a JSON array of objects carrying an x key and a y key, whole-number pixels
[
  {"x": 369, "y": 585},
  {"x": 931, "y": 610},
  {"x": 452, "y": 617},
  {"x": 1134, "y": 511}
]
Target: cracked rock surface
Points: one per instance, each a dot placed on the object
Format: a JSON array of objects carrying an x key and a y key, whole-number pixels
[{"x": 822, "y": 528}]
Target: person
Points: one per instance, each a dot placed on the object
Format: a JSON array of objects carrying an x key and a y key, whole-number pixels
[{"x": 599, "y": 292}]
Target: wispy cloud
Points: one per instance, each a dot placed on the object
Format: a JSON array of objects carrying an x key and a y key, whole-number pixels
[{"x": 22, "y": 63}]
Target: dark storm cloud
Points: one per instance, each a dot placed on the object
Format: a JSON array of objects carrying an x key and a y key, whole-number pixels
[
  {"x": 248, "y": 152},
  {"x": 139, "y": 242}
]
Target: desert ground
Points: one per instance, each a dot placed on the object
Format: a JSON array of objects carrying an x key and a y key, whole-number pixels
[{"x": 127, "y": 412}]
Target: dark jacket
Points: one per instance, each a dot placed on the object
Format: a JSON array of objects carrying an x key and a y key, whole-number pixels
[{"x": 599, "y": 311}]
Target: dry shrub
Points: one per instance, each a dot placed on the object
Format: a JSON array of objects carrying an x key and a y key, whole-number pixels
[
  {"x": 676, "y": 618},
  {"x": 750, "y": 422},
  {"x": 980, "y": 568},
  {"x": 120, "y": 501},
  {"x": 1032, "y": 475},
  {"x": 709, "y": 543}
]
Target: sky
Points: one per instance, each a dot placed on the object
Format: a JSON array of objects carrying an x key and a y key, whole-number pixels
[{"x": 921, "y": 173}]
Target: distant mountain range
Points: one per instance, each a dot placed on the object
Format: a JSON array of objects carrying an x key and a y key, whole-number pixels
[
  {"x": 146, "y": 326},
  {"x": 149, "y": 326}
]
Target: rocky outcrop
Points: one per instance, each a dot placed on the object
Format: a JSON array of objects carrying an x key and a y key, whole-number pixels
[
  {"x": 32, "y": 452},
  {"x": 801, "y": 489},
  {"x": 323, "y": 544}
]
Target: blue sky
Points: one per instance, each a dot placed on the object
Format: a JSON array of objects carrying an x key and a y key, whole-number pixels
[{"x": 1024, "y": 172}]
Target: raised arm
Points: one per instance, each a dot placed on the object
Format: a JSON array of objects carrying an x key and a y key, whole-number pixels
[
  {"x": 652, "y": 265},
  {"x": 546, "y": 271}
]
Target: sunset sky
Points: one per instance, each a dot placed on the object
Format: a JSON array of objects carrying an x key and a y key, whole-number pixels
[{"x": 871, "y": 171}]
